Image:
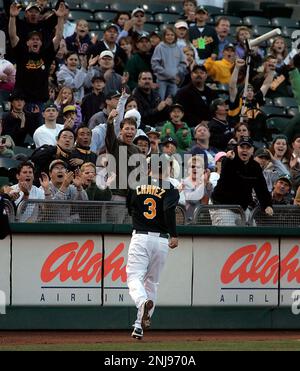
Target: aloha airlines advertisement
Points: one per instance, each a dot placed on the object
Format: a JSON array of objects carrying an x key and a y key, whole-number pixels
[{"x": 202, "y": 271}]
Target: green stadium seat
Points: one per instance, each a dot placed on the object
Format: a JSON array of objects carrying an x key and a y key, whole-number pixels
[
  {"x": 256, "y": 21},
  {"x": 105, "y": 16},
  {"x": 234, "y": 7},
  {"x": 260, "y": 30},
  {"x": 94, "y": 6},
  {"x": 284, "y": 22},
  {"x": 4, "y": 180},
  {"x": 165, "y": 17},
  {"x": 285, "y": 102},
  {"x": 271, "y": 111},
  {"x": 277, "y": 125},
  {"x": 293, "y": 111},
  {"x": 81, "y": 14}
]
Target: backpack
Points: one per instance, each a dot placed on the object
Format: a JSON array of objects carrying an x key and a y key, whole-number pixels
[{"x": 4, "y": 224}]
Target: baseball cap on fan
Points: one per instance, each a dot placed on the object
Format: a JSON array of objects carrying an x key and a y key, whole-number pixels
[
  {"x": 31, "y": 6},
  {"x": 137, "y": 10},
  {"x": 245, "y": 141}
]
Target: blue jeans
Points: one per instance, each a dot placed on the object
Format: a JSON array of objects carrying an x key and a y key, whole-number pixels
[{"x": 166, "y": 89}]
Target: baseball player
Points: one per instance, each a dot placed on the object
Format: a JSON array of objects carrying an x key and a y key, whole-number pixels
[{"x": 152, "y": 205}]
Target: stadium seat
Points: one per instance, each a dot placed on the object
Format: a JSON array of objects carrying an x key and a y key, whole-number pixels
[
  {"x": 165, "y": 17},
  {"x": 271, "y": 111},
  {"x": 260, "y": 30},
  {"x": 123, "y": 6},
  {"x": 214, "y": 9},
  {"x": 277, "y": 11},
  {"x": 287, "y": 32},
  {"x": 105, "y": 16},
  {"x": 234, "y": 7},
  {"x": 276, "y": 125},
  {"x": 94, "y": 6},
  {"x": 234, "y": 20},
  {"x": 4, "y": 180},
  {"x": 23, "y": 150},
  {"x": 285, "y": 102},
  {"x": 150, "y": 27},
  {"x": 81, "y": 14},
  {"x": 256, "y": 21},
  {"x": 94, "y": 26},
  {"x": 155, "y": 8},
  {"x": 293, "y": 111},
  {"x": 284, "y": 22}
]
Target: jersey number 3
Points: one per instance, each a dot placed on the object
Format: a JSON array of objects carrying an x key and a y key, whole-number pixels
[{"x": 151, "y": 213}]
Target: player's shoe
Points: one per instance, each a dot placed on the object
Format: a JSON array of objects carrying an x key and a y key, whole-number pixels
[
  {"x": 137, "y": 333},
  {"x": 147, "y": 306}
]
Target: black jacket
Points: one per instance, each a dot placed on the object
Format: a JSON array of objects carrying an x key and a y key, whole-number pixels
[
  {"x": 147, "y": 106},
  {"x": 220, "y": 134},
  {"x": 195, "y": 103},
  {"x": 237, "y": 181}
]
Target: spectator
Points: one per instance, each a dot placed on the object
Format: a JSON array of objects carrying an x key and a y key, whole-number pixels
[
  {"x": 19, "y": 123},
  {"x": 297, "y": 198},
  {"x": 6, "y": 146},
  {"x": 94, "y": 101},
  {"x": 111, "y": 102},
  {"x": 280, "y": 86},
  {"x": 295, "y": 162},
  {"x": 281, "y": 194},
  {"x": 72, "y": 75},
  {"x": 202, "y": 137},
  {"x": 203, "y": 37},
  {"x": 82, "y": 153},
  {"x": 196, "y": 187},
  {"x": 27, "y": 191},
  {"x": 7, "y": 75},
  {"x": 69, "y": 27},
  {"x": 34, "y": 59},
  {"x": 219, "y": 127},
  {"x": 140, "y": 61},
  {"x": 66, "y": 98},
  {"x": 104, "y": 178},
  {"x": 127, "y": 133},
  {"x": 215, "y": 175},
  {"x": 135, "y": 26},
  {"x": 168, "y": 64},
  {"x": 279, "y": 50},
  {"x": 271, "y": 167},
  {"x": 281, "y": 150},
  {"x": 80, "y": 41},
  {"x": 63, "y": 185},
  {"x": 154, "y": 136},
  {"x": 241, "y": 129},
  {"x": 196, "y": 97},
  {"x": 239, "y": 176},
  {"x": 177, "y": 129},
  {"x": 155, "y": 38},
  {"x": 189, "y": 11},
  {"x": 109, "y": 43},
  {"x": 143, "y": 144},
  {"x": 113, "y": 81},
  {"x": 223, "y": 31},
  {"x": 34, "y": 22},
  {"x": 220, "y": 70},
  {"x": 47, "y": 133},
  {"x": 88, "y": 178},
  {"x": 43, "y": 156},
  {"x": 151, "y": 107},
  {"x": 120, "y": 20},
  {"x": 243, "y": 33},
  {"x": 126, "y": 44},
  {"x": 183, "y": 40}
]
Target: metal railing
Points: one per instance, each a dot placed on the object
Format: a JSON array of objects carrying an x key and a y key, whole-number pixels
[
  {"x": 285, "y": 216},
  {"x": 219, "y": 215},
  {"x": 83, "y": 212},
  {"x": 10, "y": 210},
  {"x": 111, "y": 212}
]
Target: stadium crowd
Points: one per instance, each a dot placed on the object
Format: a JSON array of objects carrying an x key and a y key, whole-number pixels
[{"x": 77, "y": 98}]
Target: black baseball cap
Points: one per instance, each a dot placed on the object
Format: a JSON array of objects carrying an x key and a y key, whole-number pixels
[
  {"x": 286, "y": 177},
  {"x": 201, "y": 9},
  {"x": 169, "y": 140},
  {"x": 199, "y": 67},
  {"x": 262, "y": 153},
  {"x": 16, "y": 95},
  {"x": 50, "y": 105},
  {"x": 176, "y": 105},
  {"x": 34, "y": 33},
  {"x": 152, "y": 130},
  {"x": 229, "y": 46},
  {"x": 245, "y": 141},
  {"x": 112, "y": 94},
  {"x": 111, "y": 25},
  {"x": 144, "y": 35}
]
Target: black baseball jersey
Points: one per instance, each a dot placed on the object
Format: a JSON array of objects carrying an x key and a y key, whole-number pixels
[{"x": 152, "y": 206}]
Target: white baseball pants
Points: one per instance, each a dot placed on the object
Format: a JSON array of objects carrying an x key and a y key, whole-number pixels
[{"x": 147, "y": 256}]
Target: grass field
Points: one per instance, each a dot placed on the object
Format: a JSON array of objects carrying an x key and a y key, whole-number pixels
[{"x": 279, "y": 345}]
